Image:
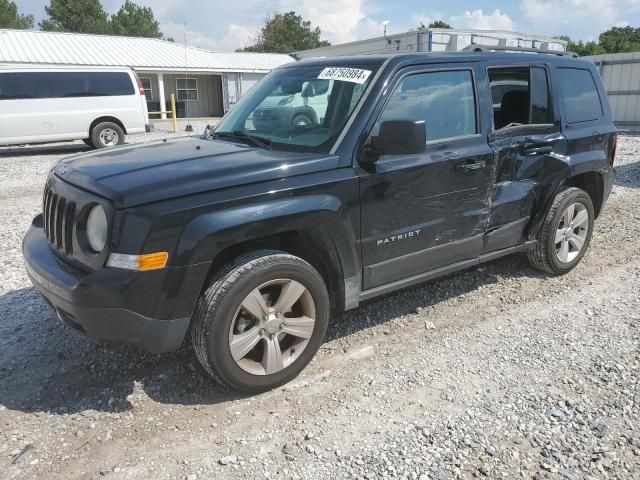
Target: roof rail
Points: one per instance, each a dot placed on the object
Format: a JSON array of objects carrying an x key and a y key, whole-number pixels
[{"x": 485, "y": 48}]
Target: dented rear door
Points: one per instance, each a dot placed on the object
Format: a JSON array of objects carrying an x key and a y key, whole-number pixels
[{"x": 530, "y": 162}]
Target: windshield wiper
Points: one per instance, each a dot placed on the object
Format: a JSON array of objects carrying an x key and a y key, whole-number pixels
[{"x": 240, "y": 135}]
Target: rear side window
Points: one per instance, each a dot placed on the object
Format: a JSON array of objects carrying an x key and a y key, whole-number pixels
[
  {"x": 25, "y": 85},
  {"x": 540, "y": 100},
  {"x": 579, "y": 95},
  {"x": 520, "y": 96},
  {"x": 445, "y": 101}
]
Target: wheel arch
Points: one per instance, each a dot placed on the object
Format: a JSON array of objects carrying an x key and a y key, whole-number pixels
[
  {"x": 106, "y": 118},
  {"x": 312, "y": 228},
  {"x": 591, "y": 181},
  {"x": 593, "y": 184},
  {"x": 305, "y": 110}
]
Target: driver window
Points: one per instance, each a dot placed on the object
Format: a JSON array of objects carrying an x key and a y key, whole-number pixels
[{"x": 444, "y": 101}]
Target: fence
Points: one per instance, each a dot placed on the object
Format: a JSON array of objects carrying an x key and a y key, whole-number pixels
[{"x": 620, "y": 74}]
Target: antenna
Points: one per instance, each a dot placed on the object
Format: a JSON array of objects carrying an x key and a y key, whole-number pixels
[
  {"x": 385, "y": 24},
  {"x": 189, "y": 127}
]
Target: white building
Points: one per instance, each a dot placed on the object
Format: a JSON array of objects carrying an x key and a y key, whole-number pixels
[
  {"x": 435, "y": 40},
  {"x": 206, "y": 84}
]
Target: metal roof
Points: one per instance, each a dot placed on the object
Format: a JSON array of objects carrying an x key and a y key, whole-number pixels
[
  {"x": 55, "y": 48},
  {"x": 387, "y": 43}
]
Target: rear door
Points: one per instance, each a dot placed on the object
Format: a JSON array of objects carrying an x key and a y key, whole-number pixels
[
  {"x": 526, "y": 137},
  {"x": 425, "y": 211}
]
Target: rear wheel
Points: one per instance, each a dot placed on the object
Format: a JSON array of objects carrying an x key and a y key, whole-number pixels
[
  {"x": 261, "y": 321},
  {"x": 107, "y": 134},
  {"x": 88, "y": 142},
  {"x": 565, "y": 234}
]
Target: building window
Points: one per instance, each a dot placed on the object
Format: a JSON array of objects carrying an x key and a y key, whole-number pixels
[
  {"x": 148, "y": 88},
  {"x": 187, "y": 89}
]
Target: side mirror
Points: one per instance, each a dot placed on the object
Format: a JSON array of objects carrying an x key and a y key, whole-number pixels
[
  {"x": 315, "y": 88},
  {"x": 308, "y": 91},
  {"x": 400, "y": 137}
]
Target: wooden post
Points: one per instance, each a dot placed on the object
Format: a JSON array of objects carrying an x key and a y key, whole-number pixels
[{"x": 173, "y": 113}]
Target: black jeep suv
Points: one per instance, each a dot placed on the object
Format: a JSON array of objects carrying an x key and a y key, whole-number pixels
[{"x": 421, "y": 165}]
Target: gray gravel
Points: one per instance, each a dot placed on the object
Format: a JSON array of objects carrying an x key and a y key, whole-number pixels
[{"x": 499, "y": 372}]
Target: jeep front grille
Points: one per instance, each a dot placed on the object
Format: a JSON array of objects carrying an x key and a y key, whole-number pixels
[{"x": 59, "y": 217}]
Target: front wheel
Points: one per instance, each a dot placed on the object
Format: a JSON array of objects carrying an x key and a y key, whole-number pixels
[
  {"x": 261, "y": 321},
  {"x": 302, "y": 120},
  {"x": 565, "y": 234}
]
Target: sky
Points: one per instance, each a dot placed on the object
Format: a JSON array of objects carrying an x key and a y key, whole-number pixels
[{"x": 228, "y": 25}]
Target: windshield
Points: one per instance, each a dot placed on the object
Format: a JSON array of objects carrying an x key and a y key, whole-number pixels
[{"x": 298, "y": 109}]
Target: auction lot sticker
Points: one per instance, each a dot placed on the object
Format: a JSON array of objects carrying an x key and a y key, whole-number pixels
[{"x": 354, "y": 75}]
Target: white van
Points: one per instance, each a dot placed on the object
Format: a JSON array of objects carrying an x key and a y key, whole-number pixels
[
  {"x": 299, "y": 104},
  {"x": 99, "y": 105}
]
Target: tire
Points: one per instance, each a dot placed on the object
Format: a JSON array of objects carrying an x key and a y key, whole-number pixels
[
  {"x": 88, "y": 142},
  {"x": 560, "y": 257},
  {"x": 302, "y": 120},
  {"x": 107, "y": 134},
  {"x": 220, "y": 320}
]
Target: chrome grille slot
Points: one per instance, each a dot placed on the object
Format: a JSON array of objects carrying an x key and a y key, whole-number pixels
[
  {"x": 45, "y": 200},
  {"x": 51, "y": 215},
  {"x": 67, "y": 227},
  {"x": 59, "y": 218},
  {"x": 57, "y": 223}
]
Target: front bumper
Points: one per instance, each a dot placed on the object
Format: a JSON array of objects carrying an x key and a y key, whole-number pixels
[{"x": 112, "y": 304}]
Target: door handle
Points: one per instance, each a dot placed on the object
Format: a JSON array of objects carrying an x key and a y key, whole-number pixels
[
  {"x": 470, "y": 166},
  {"x": 537, "y": 150}
]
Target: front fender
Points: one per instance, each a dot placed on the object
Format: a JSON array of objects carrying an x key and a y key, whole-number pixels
[{"x": 321, "y": 215}]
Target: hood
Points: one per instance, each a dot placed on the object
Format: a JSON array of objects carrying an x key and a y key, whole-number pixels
[{"x": 144, "y": 173}]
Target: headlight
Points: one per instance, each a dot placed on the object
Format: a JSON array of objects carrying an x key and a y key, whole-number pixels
[{"x": 97, "y": 229}]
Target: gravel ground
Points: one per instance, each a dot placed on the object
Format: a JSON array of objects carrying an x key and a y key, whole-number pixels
[{"x": 498, "y": 372}]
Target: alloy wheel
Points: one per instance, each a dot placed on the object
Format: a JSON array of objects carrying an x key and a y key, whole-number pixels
[
  {"x": 272, "y": 327},
  {"x": 571, "y": 234}
]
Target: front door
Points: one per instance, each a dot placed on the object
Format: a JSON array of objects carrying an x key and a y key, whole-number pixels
[{"x": 426, "y": 211}]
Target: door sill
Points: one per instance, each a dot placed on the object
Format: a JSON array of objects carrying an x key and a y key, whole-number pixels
[{"x": 438, "y": 272}]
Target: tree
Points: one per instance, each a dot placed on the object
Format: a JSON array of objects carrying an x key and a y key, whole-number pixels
[
  {"x": 79, "y": 16},
  {"x": 135, "y": 21},
  {"x": 9, "y": 17},
  {"x": 620, "y": 39},
  {"x": 614, "y": 40},
  {"x": 439, "y": 24},
  {"x": 580, "y": 47},
  {"x": 286, "y": 33}
]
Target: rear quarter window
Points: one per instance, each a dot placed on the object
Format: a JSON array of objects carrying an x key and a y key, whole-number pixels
[{"x": 579, "y": 95}]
